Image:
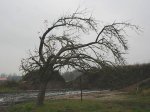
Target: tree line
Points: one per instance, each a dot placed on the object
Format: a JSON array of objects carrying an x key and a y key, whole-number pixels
[{"x": 113, "y": 78}]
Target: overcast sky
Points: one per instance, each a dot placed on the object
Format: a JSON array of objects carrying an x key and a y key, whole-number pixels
[{"x": 21, "y": 20}]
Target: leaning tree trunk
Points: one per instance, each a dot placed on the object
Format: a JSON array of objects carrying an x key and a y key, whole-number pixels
[{"x": 41, "y": 94}]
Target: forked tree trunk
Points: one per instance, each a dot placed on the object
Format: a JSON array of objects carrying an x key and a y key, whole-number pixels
[{"x": 41, "y": 94}]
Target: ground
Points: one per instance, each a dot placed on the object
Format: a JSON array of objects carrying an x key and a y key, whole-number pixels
[{"x": 106, "y": 101}]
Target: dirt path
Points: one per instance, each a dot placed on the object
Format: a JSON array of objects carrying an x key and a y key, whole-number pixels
[{"x": 101, "y": 95}]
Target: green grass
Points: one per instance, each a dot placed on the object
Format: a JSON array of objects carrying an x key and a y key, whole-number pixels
[
  {"x": 131, "y": 104},
  {"x": 7, "y": 89}
]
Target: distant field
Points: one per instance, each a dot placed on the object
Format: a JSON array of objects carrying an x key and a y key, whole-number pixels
[{"x": 131, "y": 103}]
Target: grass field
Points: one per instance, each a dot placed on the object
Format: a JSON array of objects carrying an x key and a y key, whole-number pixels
[
  {"x": 132, "y": 104},
  {"x": 7, "y": 89}
]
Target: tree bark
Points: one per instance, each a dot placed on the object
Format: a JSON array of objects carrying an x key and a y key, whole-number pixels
[
  {"x": 81, "y": 87},
  {"x": 41, "y": 94}
]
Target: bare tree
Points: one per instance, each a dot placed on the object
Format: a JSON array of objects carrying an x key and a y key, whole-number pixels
[{"x": 62, "y": 47}]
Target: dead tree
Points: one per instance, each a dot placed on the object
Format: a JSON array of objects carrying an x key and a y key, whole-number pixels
[{"x": 62, "y": 48}]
